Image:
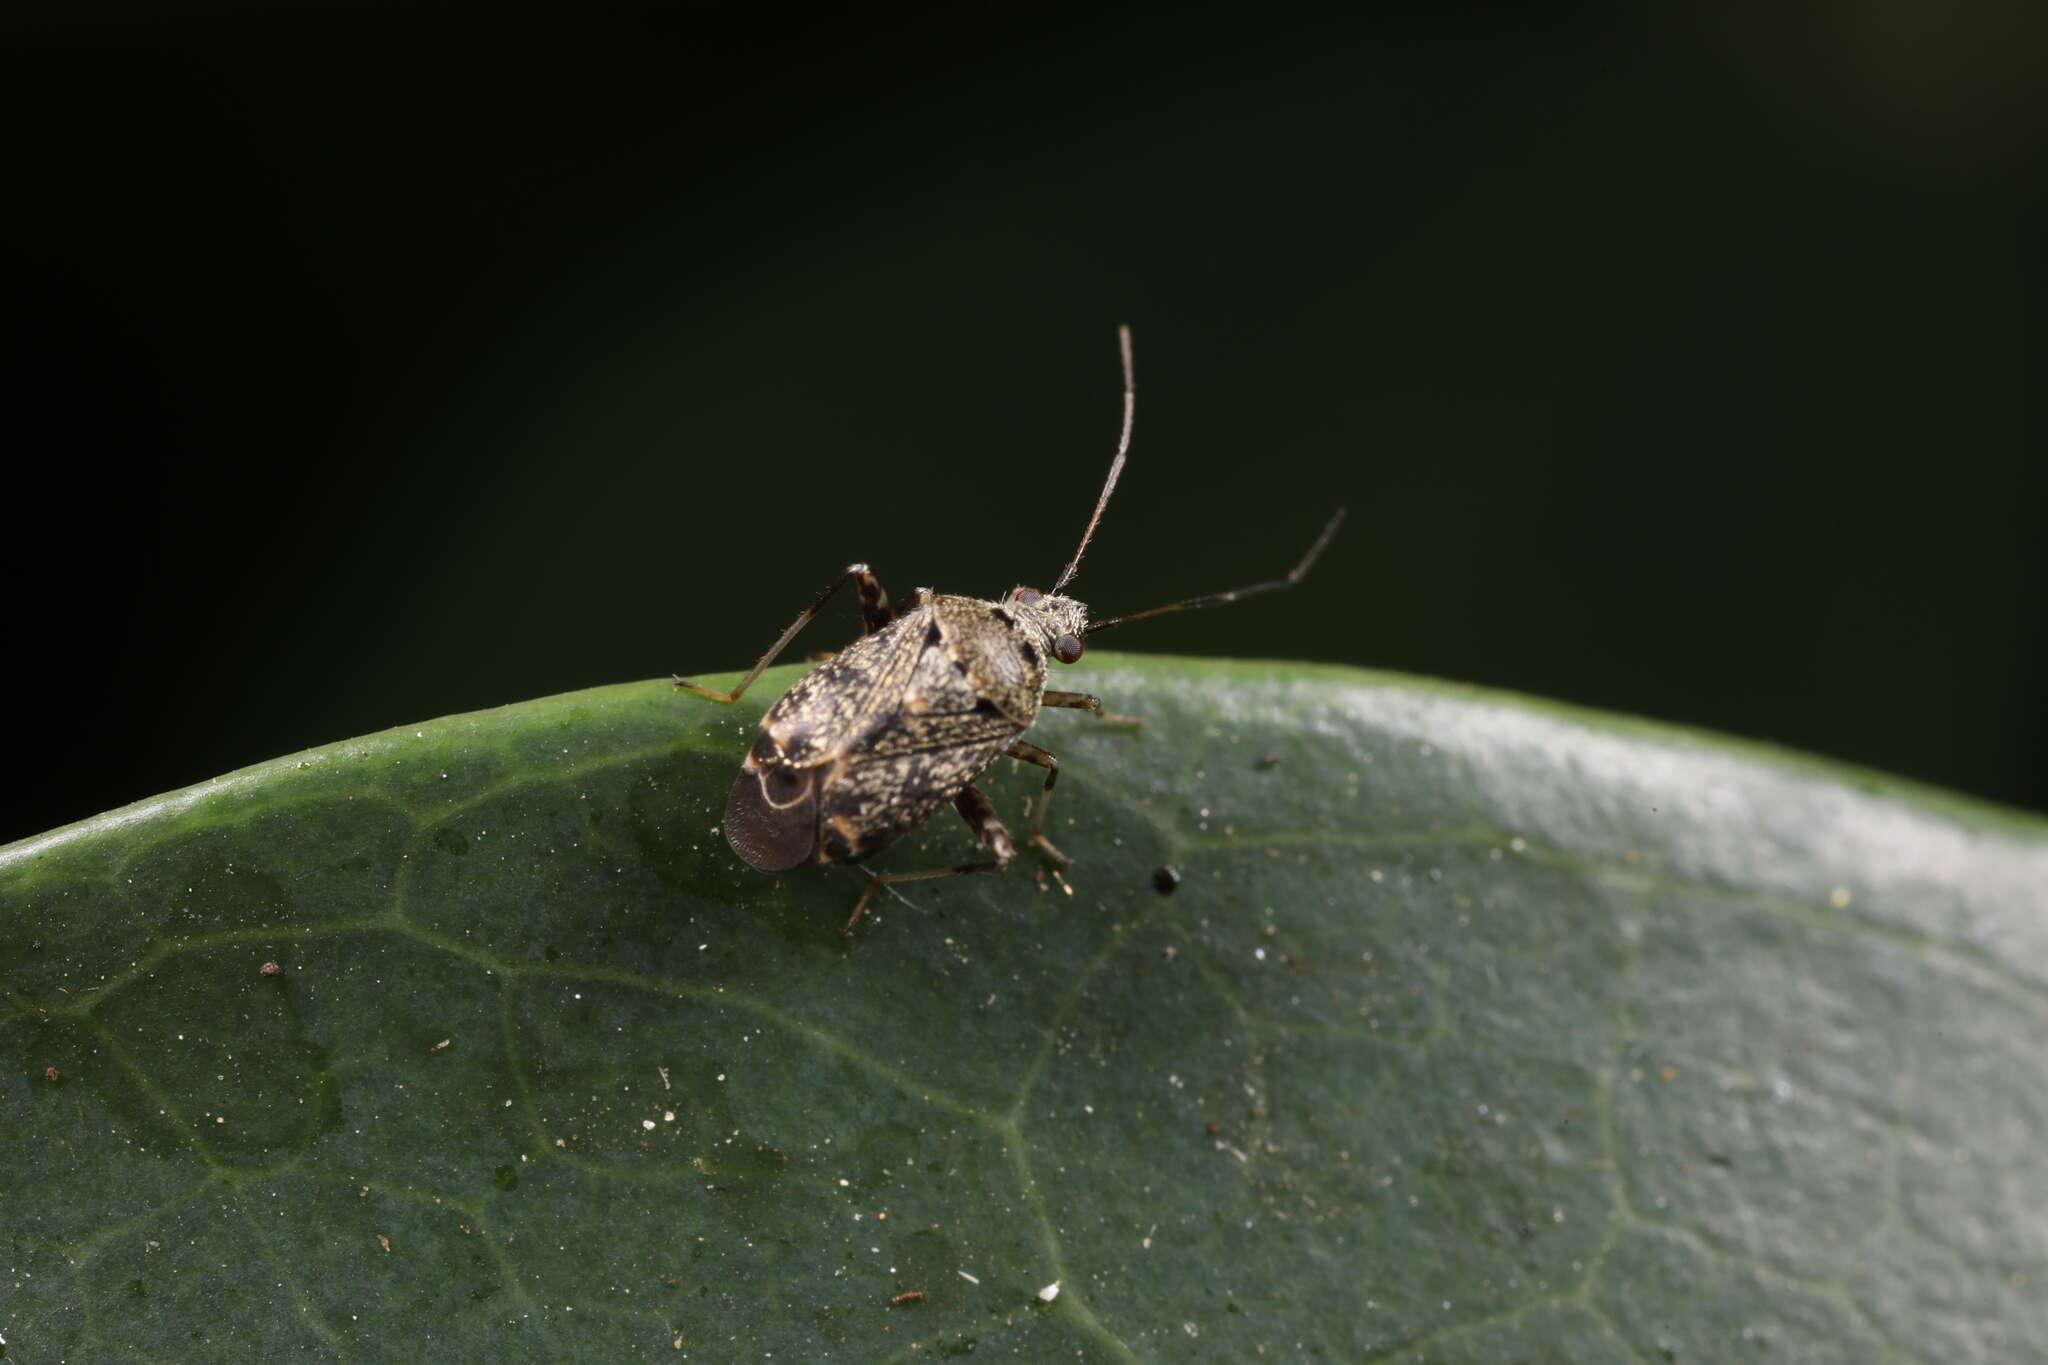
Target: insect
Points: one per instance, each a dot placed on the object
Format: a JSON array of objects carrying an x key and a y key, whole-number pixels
[{"x": 868, "y": 744}]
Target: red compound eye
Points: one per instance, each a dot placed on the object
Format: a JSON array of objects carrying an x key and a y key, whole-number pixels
[
  {"x": 1067, "y": 649},
  {"x": 1029, "y": 597}
]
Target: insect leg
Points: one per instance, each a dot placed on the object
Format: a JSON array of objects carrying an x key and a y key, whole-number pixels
[
  {"x": 874, "y": 610},
  {"x": 1031, "y": 753},
  {"x": 980, "y": 815},
  {"x": 1087, "y": 701}
]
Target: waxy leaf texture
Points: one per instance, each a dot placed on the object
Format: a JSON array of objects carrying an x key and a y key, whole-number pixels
[{"x": 1472, "y": 1029}]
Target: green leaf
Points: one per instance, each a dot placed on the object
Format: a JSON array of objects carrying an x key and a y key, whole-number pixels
[{"x": 1477, "y": 1029}]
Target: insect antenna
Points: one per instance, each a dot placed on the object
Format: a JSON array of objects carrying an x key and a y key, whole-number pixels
[
  {"x": 1116, "y": 466},
  {"x": 1217, "y": 599}
]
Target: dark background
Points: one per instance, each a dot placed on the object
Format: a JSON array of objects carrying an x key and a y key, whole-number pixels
[{"x": 363, "y": 366}]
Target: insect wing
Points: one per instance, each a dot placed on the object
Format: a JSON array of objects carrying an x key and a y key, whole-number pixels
[
  {"x": 771, "y": 811},
  {"x": 772, "y": 836},
  {"x": 937, "y": 736},
  {"x": 834, "y": 708},
  {"x": 874, "y": 799}
]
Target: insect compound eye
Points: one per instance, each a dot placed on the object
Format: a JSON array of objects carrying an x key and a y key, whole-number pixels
[
  {"x": 1067, "y": 649},
  {"x": 1027, "y": 597}
]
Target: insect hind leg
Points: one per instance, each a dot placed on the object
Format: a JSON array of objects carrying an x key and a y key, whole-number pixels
[
  {"x": 975, "y": 808},
  {"x": 874, "y": 611}
]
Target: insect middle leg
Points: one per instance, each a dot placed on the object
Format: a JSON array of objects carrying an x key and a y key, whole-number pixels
[
  {"x": 1031, "y": 753},
  {"x": 975, "y": 808},
  {"x": 874, "y": 611}
]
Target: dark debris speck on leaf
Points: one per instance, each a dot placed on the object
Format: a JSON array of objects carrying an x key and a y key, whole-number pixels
[{"x": 1165, "y": 880}]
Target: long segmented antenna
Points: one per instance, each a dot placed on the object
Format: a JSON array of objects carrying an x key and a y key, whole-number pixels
[
  {"x": 1116, "y": 466},
  {"x": 1217, "y": 599}
]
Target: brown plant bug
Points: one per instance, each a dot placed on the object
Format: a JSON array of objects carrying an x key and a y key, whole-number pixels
[{"x": 868, "y": 744}]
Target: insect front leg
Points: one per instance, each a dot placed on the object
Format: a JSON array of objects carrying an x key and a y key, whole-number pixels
[
  {"x": 980, "y": 815},
  {"x": 874, "y": 611},
  {"x": 1031, "y": 753},
  {"x": 1087, "y": 701}
]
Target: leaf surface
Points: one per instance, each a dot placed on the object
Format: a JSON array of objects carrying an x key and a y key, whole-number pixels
[{"x": 1475, "y": 1029}]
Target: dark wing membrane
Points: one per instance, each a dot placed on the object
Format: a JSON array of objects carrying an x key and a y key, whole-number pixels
[
  {"x": 877, "y": 796},
  {"x": 771, "y": 816}
]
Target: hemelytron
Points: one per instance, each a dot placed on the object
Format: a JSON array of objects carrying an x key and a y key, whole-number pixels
[{"x": 868, "y": 744}]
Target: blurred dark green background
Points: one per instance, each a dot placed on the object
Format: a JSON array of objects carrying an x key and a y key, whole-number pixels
[{"x": 365, "y": 365}]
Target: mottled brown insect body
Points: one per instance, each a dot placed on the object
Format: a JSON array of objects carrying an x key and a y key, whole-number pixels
[{"x": 866, "y": 746}]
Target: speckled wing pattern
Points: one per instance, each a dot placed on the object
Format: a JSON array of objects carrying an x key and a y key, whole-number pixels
[{"x": 873, "y": 740}]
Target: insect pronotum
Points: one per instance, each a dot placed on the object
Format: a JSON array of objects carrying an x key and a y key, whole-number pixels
[{"x": 868, "y": 744}]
